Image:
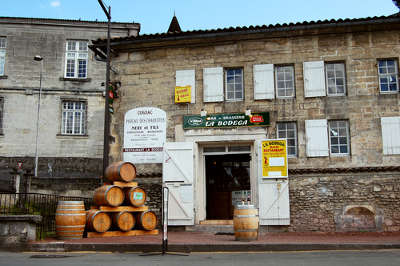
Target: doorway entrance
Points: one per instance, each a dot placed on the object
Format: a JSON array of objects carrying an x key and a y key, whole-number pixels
[{"x": 227, "y": 181}]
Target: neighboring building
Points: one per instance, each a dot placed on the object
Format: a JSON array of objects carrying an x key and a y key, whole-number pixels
[
  {"x": 71, "y": 131},
  {"x": 331, "y": 88}
]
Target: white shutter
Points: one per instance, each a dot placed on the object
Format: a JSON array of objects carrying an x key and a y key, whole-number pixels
[
  {"x": 317, "y": 138},
  {"x": 264, "y": 81},
  {"x": 178, "y": 171},
  {"x": 213, "y": 84},
  {"x": 274, "y": 205},
  {"x": 391, "y": 135},
  {"x": 187, "y": 78},
  {"x": 314, "y": 79}
]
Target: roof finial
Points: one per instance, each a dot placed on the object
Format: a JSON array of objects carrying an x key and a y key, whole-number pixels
[{"x": 174, "y": 26}]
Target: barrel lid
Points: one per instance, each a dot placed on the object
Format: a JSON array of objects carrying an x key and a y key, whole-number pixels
[{"x": 244, "y": 206}]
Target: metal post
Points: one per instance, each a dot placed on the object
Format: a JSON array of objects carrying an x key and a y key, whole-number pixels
[
  {"x": 106, "y": 147},
  {"x": 38, "y": 58}
]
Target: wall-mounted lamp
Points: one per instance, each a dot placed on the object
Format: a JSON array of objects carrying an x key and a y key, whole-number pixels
[
  {"x": 248, "y": 112},
  {"x": 203, "y": 112}
]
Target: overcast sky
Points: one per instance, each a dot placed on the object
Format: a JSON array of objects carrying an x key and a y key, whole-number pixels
[{"x": 155, "y": 15}]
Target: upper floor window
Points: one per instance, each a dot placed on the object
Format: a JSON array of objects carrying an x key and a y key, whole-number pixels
[
  {"x": 388, "y": 76},
  {"x": 335, "y": 79},
  {"x": 284, "y": 81},
  {"x": 1, "y": 116},
  {"x": 73, "y": 118},
  {"x": 213, "y": 84},
  {"x": 288, "y": 131},
  {"x": 3, "y": 46},
  {"x": 234, "y": 84},
  {"x": 339, "y": 137},
  {"x": 76, "y": 59},
  {"x": 324, "y": 78}
]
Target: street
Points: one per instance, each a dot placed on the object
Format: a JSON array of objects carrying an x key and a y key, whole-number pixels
[{"x": 325, "y": 258}]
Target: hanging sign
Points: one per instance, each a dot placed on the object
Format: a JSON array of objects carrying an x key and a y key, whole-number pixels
[
  {"x": 226, "y": 120},
  {"x": 144, "y": 135},
  {"x": 183, "y": 94},
  {"x": 274, "y": 158}
]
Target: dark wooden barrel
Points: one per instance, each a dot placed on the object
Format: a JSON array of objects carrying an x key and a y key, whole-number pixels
[
  {"x": 135, "y": 196},
  {"x": 121, "y": 171},
  {"x": 108, "y": 195},
  {"x": 124, "y": 220},
  {"x": 146, "y": 220},
  {"x": 97, "y": 221},
  {"x": 245, "y": 222},
  {"x": 70, "y": 219}
]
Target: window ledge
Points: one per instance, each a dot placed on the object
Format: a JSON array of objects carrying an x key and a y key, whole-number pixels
[
  {"x": 4, "y": 77},
  {"x": 72, "y": 136},
  {"x": 76, "y": 79}
]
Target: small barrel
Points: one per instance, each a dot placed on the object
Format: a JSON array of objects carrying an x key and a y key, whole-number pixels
[
  {"x": 70, "y": 219},
  {"x": 121, "y": 171},
  {"x": 97, "y": 221},
  {"x": 124, "y": 220},
  {"x": 146, "y": 220},
  {"x": 135, "y": 196},
  {"x": 108, "y": 195},
  {"x": 245, "y": 222}
]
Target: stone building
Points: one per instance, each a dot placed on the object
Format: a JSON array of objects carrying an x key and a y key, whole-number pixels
[
  {"x": 330, "y": 88},
  {"x": 70, "y": 84}
]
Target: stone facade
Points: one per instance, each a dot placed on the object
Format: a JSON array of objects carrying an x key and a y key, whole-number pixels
[
  {"x": 321, "y": 198},
  {"x": 60, "y": 155}
]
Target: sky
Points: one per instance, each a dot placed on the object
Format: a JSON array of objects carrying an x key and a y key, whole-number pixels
[{"x": 155, "y": 15}]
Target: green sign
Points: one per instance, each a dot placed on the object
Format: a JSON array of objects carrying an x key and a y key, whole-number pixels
[{"x": 226, "y": 120}]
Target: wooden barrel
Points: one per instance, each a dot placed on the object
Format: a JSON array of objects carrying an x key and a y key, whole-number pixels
[
  {"x": 97, "y": 221},
  {"x": 124, "y": 220},
  {"x": 245, "y": 222},
  {"x": 108, "y": 195},
  {"x": 146, "y": 220},
  {"x": 135, "y": 196},
  {"x": 70, "y": 219},
  {"x": 121, "y": 171}
]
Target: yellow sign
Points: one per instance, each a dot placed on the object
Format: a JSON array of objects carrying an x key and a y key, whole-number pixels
[
  {"x": 274, "y": 158},
  {"x": 183, "y": 94}
]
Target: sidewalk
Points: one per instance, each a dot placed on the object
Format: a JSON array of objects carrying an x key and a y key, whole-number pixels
[{"x": 210, "y": 242}]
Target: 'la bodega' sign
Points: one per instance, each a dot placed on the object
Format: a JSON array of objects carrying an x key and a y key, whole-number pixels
[
  {"x": 144, "y": 135},
  {"x": 226, "y": 120}
]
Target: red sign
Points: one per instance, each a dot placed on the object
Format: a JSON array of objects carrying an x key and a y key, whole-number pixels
[{"x": 256, "y": 119}]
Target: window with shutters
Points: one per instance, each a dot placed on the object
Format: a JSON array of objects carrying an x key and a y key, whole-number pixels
[
  {"x": 388, "y": 76},
  {"x": 339, "y": 137},
  {"x": 76, "y": 59},
  {"x": 288, "y": 130},
  {"x": 390, "y": 135},
  {"x": 284, "y": 81},
  {"x": 3, "y": 46},
  {"x": 335, "y": 79},
  {"x": 234, "y": 84},
  {"x": 1, "y": 115},
  {"x": 73, "y": 118}
]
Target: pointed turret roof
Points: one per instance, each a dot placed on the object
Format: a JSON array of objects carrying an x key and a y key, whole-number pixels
[{"x": 174, "y": 26}]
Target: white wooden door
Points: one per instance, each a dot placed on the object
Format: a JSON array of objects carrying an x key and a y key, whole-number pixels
[{"x": 178, "y": 171}]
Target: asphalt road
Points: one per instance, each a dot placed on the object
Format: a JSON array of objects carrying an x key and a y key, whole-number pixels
[{"x": 322, "y": 258}]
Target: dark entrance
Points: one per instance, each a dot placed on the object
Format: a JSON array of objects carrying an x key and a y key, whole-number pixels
[{"x": 224, "y": 174}]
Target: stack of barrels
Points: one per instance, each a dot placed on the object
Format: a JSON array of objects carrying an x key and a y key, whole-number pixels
[{"x": 120, "y": 205}]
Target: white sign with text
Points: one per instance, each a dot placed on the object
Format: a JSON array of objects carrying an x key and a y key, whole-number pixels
[{"x": 144, "y": 135}]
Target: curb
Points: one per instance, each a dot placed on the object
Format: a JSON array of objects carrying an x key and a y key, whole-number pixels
[{"x": 187, "y": 248}]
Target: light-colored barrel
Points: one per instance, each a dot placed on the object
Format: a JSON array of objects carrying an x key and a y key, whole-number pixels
[
  {"x": 108, "y": 195},
  {"x": 135, "y": 196},
  {"x": 70, "y": 219},
  {"x": 245, "y": 222},
  {"x": 97, "y": 221},
  {"x": 124, "y": 220},
  {"x": 121, "y": 171},
  {"x": 146, "y": 220}
]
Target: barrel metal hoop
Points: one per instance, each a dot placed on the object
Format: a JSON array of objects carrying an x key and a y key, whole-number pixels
[
  {"x": 246, "y": 230},
  {"x": 65, "y": 202},
  {"x": 71, "y": 214},
  {"x": 70, "y": 226},
  {"x": 246, "y": 216}
]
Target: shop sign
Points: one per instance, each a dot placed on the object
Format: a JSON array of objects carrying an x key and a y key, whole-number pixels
[
  {"x": 274, "y": 158},
  {"x": 144, "y": 135},
  {"x": 226, "y": 120},
  {"x": 183, "y": 94}
]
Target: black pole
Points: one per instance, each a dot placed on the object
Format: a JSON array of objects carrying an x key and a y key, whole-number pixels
[{"x": 106, "y": 148}]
